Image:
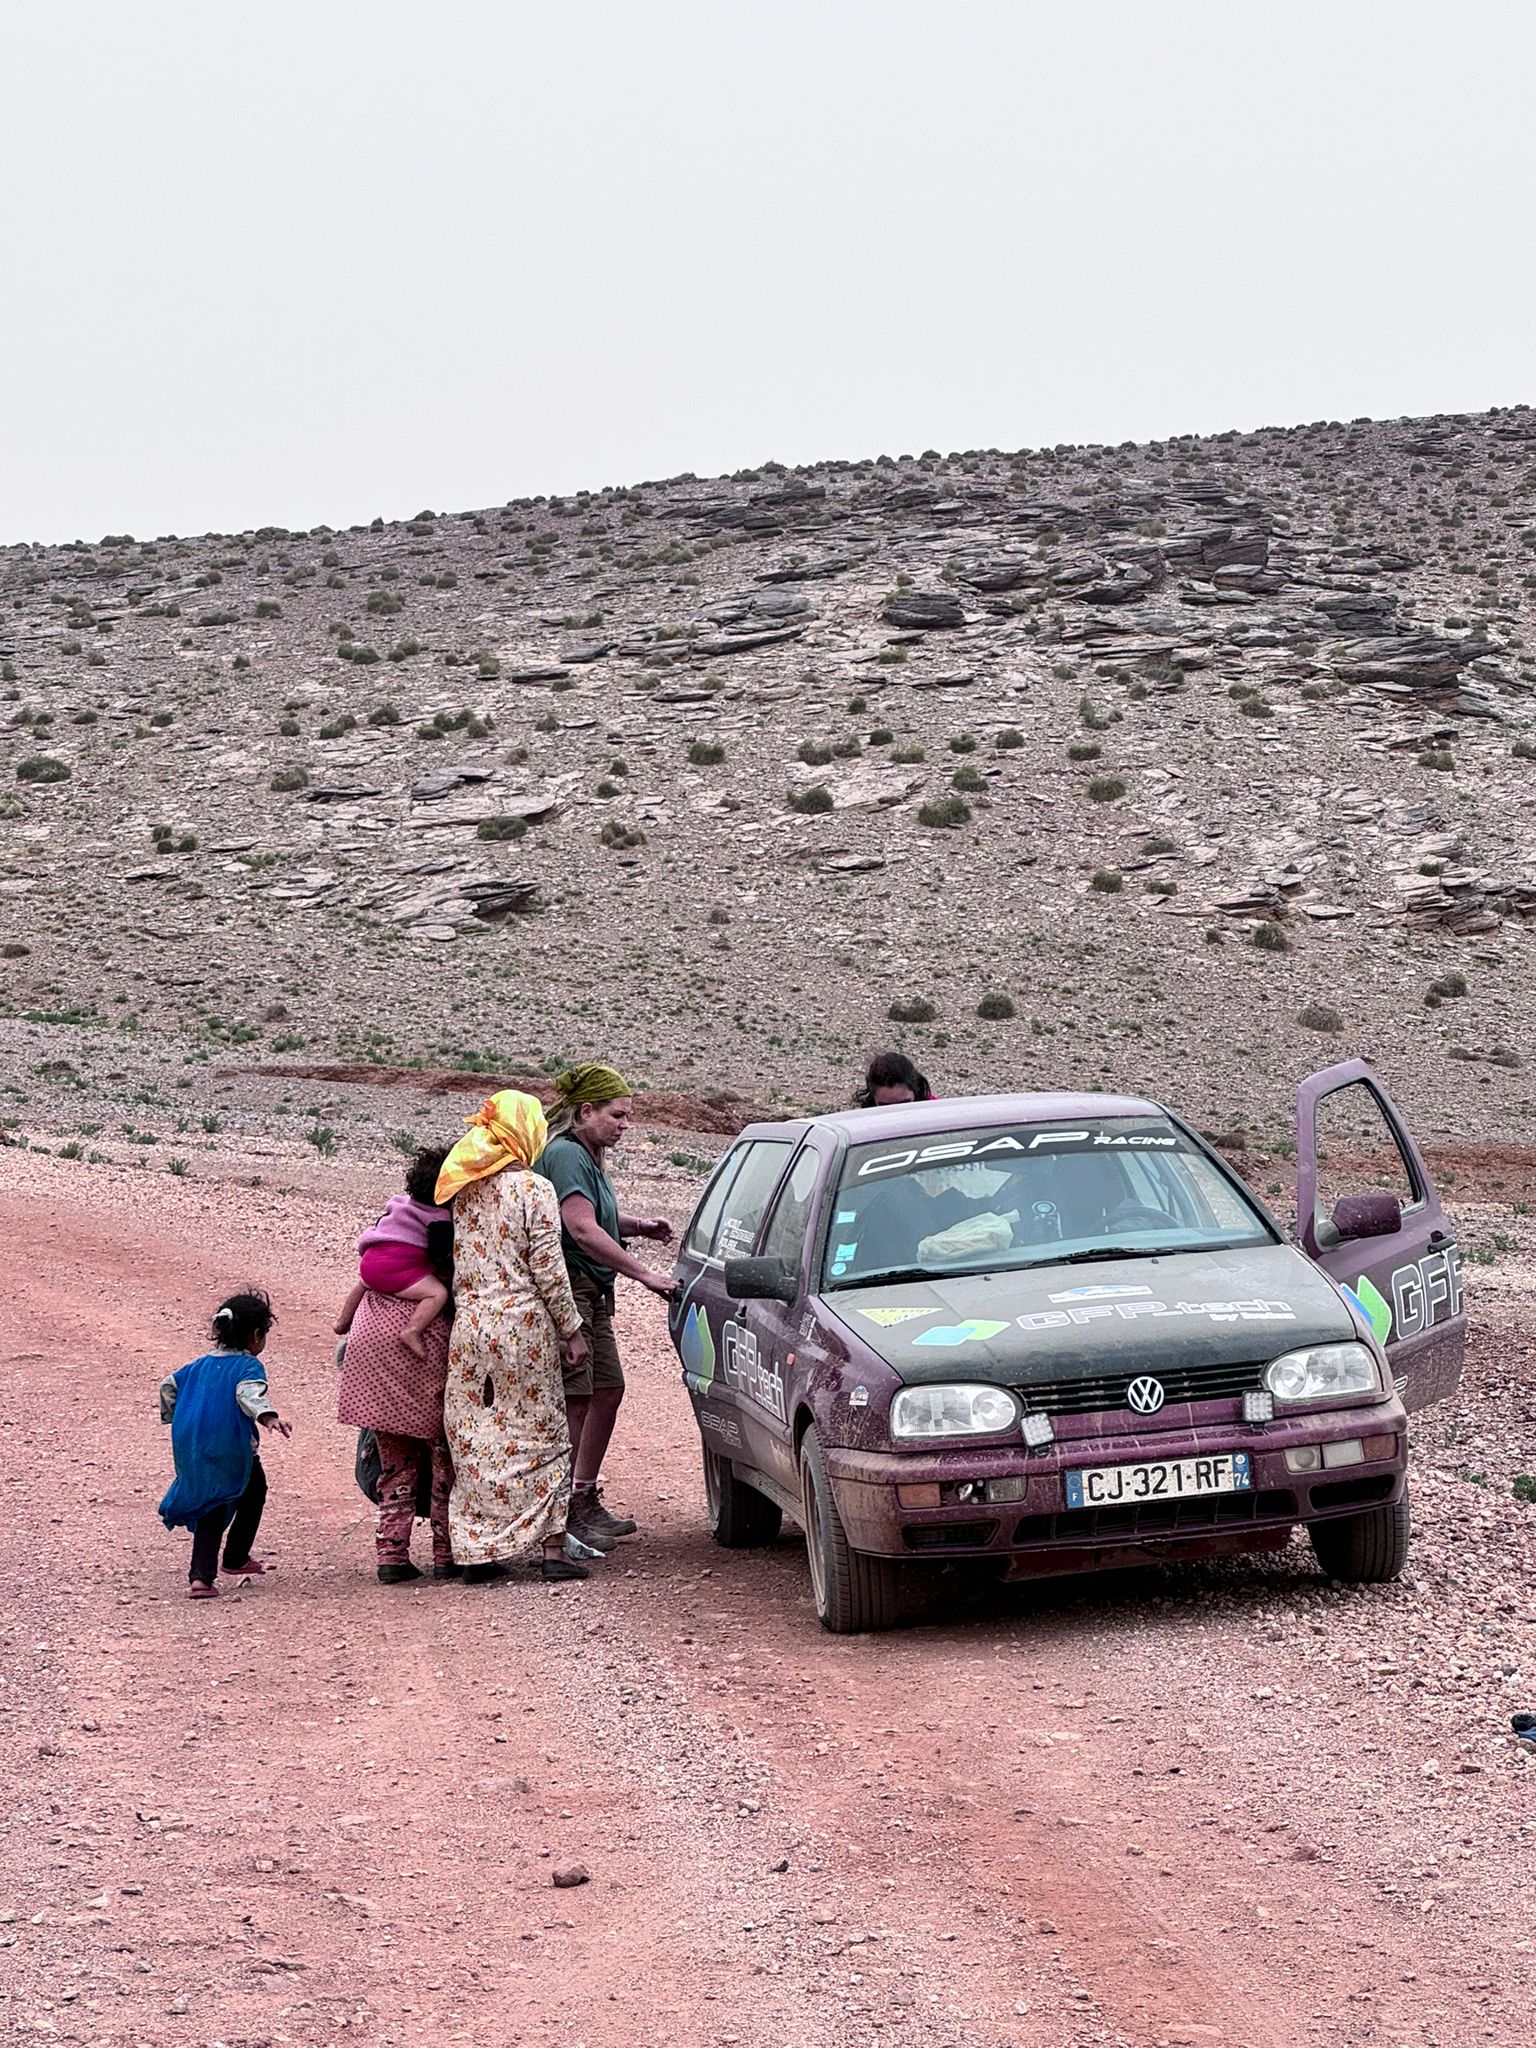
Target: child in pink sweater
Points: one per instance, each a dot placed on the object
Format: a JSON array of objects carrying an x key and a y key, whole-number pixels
[{"x": 395, "y": 1255}]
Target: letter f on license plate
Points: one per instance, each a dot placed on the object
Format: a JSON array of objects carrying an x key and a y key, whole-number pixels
[{"x": 1109, "y": 1486}]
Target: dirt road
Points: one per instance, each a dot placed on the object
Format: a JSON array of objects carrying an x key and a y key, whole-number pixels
[{"x": 1227, "y": 1806}]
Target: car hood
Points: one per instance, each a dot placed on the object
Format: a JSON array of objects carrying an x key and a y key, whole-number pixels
[{"x": 1058, "y": 1322}]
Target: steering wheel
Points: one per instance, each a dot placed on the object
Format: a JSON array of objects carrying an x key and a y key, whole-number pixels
[{"x": 1136, "y": 1216}]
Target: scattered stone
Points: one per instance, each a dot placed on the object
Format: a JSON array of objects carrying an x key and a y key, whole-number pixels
[{"x": 566, "y": 1876}]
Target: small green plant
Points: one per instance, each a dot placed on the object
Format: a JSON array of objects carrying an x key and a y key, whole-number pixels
[
  {"x": 323, "y": 1138},
  {"x": 814, "y": 753},
  {"x": 1091, "y": 716},
  {"x": 288, "y": 779},
  {"x": 856, "y": 705},
  {"x": 1523, "y": 1487},
  {"x": 810, "y": 802},
  {"x": 335, "y": 728},
  {"x": 384, "y": 714},
  {"x": 1155, "y": 847},
  {"x": 881, "y": 736},
  {"x": 404, "y": 648},
  {"x": 1320, "y": 1017},
  {"x": 912, "y": 1010},
  {"x": 289, "y": 728},
  {"x": 1108, "y": 881},
  {"x": 944, "y": 813},
  {"x": 211, "y": 1124},
  {"x": 968, "y": 779},
  {"x": 996, "y": 1008},
  {"x": 1084, "y": 750},
  {"x": 708, "y": 753},
  {"x": 178, "y": 1166},
  {"x": 43, "y": 768},
  {"x": 384, "y": 603},
  {"x": 1269, "y": 938},
  {"x": 509, "y": 827},
  {"x": 909, "y": 756},
  {"x": 1105, "y": 789},
  {"x": 1162, "y": 885},
  {"x": 1009, "y": 738},
  {"x": 621, "y": 836},
  {"x": 962, "y": 743}
]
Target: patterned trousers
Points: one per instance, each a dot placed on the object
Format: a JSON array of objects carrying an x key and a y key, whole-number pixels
[{"x": 404, "y": 1465}]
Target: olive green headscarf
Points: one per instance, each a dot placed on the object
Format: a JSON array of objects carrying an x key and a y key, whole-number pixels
[{"x": 590, "y": 1083}]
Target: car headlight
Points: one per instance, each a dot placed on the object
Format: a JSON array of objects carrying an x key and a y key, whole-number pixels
[
  {"x": 952, "y": 1411},
  {"x": 1322, "y": 1373}
]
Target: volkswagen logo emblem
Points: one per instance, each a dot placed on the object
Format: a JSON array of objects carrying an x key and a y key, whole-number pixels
[{"x": 1146, "y": 1395}]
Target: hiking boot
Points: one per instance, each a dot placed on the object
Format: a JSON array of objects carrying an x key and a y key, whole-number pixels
[
  {"x": 398, "y": 1574},
  {"x": 595, "y": 1524},
  {"x": 579, "y": 1552},
  {"x": 448, "y": 1571},
  {"x": 579, "y": 1523}
]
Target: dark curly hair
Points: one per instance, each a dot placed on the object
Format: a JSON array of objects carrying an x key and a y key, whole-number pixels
[
  {"x": 421, "y": 1174},
  {"x": 241, "y": 1318}
]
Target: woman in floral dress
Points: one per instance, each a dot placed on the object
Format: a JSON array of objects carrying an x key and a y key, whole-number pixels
[{"x": 503, "y": 1407}]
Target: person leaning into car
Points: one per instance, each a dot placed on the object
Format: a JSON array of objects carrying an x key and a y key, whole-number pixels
[{"x": 591, "y": 1113}]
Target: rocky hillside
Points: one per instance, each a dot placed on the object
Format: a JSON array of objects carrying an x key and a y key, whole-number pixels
[{"x": 1183, "y": 767}]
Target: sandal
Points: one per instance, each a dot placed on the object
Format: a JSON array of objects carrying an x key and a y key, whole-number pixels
[
  {"x": 555, "y": 1568},
  {"x": 198, "y": 1591},
  {"x": 249, "y": 1570}
]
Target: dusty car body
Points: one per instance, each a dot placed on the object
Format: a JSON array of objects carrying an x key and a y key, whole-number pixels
[{"x": 1058, "y": 1332}]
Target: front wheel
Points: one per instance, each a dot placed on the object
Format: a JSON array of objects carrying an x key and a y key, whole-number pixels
[
  {"x": 740, "y": 1518},
  {"x": 853, "y": 1591},
  {"x": 1363, "y": 1550}
]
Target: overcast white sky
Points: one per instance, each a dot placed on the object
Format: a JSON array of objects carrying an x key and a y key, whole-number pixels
[{"x": 295, "y": 263}]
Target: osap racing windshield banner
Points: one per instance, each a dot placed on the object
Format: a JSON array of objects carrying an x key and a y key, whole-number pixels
[{"x": 997, "y": 1148}]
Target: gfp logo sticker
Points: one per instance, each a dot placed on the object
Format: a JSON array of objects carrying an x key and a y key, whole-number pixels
[
  {"x": 1145, "y": 1395},
  {"x": 973, "y": 1332}
]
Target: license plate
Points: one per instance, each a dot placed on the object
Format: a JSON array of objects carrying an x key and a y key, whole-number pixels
[{"x": 1108, "y": 1486}]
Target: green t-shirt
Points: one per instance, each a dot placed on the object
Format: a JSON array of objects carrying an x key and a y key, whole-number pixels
[{"x": 571, "y": 1170}]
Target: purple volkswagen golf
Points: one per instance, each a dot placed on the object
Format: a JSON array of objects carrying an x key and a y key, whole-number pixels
[{"x": 1057, "y": 1332}]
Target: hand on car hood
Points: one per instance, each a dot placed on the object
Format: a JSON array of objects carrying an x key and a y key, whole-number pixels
[{"x": 1051, "y": 1322}]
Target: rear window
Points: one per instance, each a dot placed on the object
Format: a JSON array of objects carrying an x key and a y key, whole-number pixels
[{"x": 1034, "y": 1194}]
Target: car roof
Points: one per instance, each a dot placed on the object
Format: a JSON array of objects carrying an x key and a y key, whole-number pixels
[{"x": 956, "y": 1113}]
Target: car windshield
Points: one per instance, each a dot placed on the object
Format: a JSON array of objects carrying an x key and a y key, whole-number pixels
[{"x": 1001, "y": 1199}]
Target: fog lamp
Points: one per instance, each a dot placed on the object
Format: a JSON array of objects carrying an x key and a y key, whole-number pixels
[
  {"x": 1304, "y": 1458},
  {"x": 1007, "y": 1489},
  {"x": 1258, "y": 1405},
  {"x": 1350, "y": 1452},
  {"x": 924, "y": 1495},
  {"x": 1038, "y": 1430}
]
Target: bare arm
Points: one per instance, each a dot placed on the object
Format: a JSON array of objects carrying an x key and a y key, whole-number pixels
[{"x": 580, "y": 1219}]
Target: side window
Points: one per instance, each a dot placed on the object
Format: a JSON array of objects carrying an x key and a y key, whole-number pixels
[
  {"x": 707, "y": 1222},
  {"x": 792, "y": 1212},
  {"x": 1358, "y": 1153},
  {"x": 748, "y": 1197}
]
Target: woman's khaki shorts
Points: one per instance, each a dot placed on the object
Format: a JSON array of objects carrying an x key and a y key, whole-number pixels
[{"x": 602, "y": 1371}]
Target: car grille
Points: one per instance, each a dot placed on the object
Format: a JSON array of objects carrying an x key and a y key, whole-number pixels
[
  {"x": 1180, "y": 1383},
  {"x": 1157, "y": 1518},
  {"x": 949, "y": 1535}
]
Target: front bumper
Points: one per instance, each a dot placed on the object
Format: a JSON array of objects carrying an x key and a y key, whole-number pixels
[{"x": 1037, "y": 1532}]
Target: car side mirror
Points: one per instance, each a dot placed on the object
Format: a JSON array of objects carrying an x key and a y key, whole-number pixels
[
  {"x": 1367, "y": 1216},
  {"x": 766, "y": 1279}
]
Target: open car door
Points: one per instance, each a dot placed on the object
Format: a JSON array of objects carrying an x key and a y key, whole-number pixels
[{"x": 1367, "y": 1212}]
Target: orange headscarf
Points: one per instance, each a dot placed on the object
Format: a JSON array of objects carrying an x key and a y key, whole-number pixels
[{"x": 506, "y": 1130}]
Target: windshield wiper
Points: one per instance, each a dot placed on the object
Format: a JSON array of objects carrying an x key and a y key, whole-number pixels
[
  {"x": 892, "y": 1276},
  {"x": 1115, "y": 1251}
]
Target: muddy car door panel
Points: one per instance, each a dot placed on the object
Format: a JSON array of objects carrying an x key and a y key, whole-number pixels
[{"x": 1401, "y": 1270}]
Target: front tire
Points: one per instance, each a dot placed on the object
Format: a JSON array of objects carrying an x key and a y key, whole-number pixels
[
  {"x": 853, "y": 1591},
  {"x": 1363, "y": 1550},
  {"x": 740, "y": 1518}
]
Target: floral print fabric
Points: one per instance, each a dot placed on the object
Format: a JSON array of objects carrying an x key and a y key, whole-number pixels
[{"x": 504, "y": 1409}]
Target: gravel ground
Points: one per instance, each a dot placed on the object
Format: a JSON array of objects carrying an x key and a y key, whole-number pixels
[{"x": 1228, "y": 1805}]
